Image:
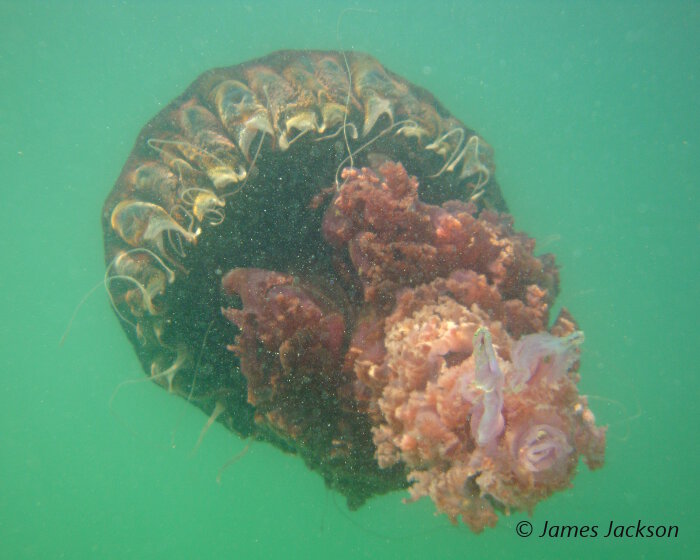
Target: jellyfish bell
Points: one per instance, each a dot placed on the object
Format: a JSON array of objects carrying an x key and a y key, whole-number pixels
[{"x": 284, "y": 229}]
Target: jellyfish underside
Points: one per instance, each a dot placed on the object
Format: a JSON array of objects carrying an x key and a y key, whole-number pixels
[{"x": 237, "y": 173}]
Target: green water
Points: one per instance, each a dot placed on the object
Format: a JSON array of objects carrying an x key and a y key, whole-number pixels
[{"x": 592, "y": 110}]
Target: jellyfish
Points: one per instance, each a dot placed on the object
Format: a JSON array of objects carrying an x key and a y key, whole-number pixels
[{"x": 317, "y": 254}]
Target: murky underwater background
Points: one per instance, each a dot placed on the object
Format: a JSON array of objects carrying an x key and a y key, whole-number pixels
[{"x": 592, "y": 109}]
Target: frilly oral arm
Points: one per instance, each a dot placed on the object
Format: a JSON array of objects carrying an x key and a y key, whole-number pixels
[{"x": 489, "y": 378}]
